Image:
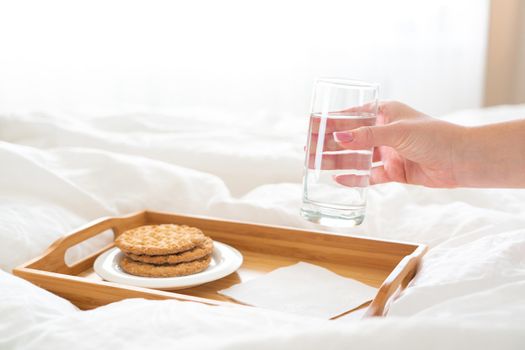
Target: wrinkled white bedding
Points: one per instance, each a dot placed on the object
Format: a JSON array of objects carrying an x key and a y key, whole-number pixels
[{"x": 58, "y": 173}]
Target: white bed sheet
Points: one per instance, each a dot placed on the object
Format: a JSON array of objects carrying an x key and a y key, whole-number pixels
[{"x": 57, "y": 174}]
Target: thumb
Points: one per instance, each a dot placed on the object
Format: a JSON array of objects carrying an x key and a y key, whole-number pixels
[{"x": 370, "y": 136}]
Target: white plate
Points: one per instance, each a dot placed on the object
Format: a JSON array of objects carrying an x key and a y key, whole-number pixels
[{"x": 224, "y": 260}]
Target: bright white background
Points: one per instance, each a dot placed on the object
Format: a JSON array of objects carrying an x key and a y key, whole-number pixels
[{"x": 237, "y": 57}]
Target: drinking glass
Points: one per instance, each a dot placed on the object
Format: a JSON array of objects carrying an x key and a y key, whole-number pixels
[{"x": 335, "y": 179}]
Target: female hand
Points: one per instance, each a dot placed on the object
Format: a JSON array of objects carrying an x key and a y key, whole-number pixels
[
  {"x": 420, "y": 150},
  {"x": 414, "y": 148}
]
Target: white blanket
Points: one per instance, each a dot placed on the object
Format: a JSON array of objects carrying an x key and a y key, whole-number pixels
[{"x": 57, "y": 173}]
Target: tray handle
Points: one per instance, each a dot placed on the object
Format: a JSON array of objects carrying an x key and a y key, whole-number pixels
[
  {"x": 53, "y": 259},
  {"x": 396, "y": 282}
]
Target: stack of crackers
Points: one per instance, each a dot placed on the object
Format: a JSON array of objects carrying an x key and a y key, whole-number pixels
[{"x": 164, "y": 250}]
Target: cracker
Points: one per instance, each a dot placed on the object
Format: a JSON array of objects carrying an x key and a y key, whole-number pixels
[
  {"x": 160, "y": 239},
  {"x": 168, "y": 270},
  {"x": 198, "y": 252}
]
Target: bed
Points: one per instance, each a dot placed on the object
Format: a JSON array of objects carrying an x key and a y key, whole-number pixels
[{"x": 60, "y": 171}]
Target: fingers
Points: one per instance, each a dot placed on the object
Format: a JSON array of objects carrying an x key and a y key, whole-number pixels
[
  {"x": 354, "y": 161},
  {"x": 351, "y": 180},
  {"x": 390, "y": 135},
  {"x": 377, "y": 176},
  {"x": 333, "y": 146},
  {"x": 326, "y": 136},
  {"x": 329, "y": 143},
  {"x": 336, "y": 122},
  {"x": 387, "y": 112},
  {"x": 376, "y": 155}
]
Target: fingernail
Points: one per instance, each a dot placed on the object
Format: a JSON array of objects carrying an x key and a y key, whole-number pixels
[{"x": 343, "y": 136}]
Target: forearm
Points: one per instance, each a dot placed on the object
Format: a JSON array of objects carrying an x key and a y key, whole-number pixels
[{"x": 492, "y": 156}]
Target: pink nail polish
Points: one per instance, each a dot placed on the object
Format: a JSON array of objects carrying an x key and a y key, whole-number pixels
[{"x": 343, "y": 136}]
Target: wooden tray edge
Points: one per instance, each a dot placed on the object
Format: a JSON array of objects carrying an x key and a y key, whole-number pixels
[
  {"x": 396, "y": 281},
  {"x": 62, "y": 285}
]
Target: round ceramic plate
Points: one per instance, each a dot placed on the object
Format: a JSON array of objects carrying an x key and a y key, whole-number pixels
[{"x": 224, "y": 260}]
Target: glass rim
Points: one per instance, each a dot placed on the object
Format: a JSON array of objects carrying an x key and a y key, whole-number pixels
[{"x": 347, "y": 83}]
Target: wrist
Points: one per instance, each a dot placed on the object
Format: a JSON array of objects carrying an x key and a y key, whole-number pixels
[{"x": 464, "y": 165}]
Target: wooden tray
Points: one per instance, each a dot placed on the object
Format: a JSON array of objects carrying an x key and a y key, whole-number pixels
[{"x": 385, "y": 264}]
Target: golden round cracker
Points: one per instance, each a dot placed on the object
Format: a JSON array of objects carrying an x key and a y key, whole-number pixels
[
  {"x": 198, "y": 252},
  {"x": 168, "y": 270},
  {"x": 160, "y": 239}
]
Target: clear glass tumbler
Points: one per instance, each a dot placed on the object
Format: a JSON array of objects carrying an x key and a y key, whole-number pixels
[{"x": 335, "y": 179}]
